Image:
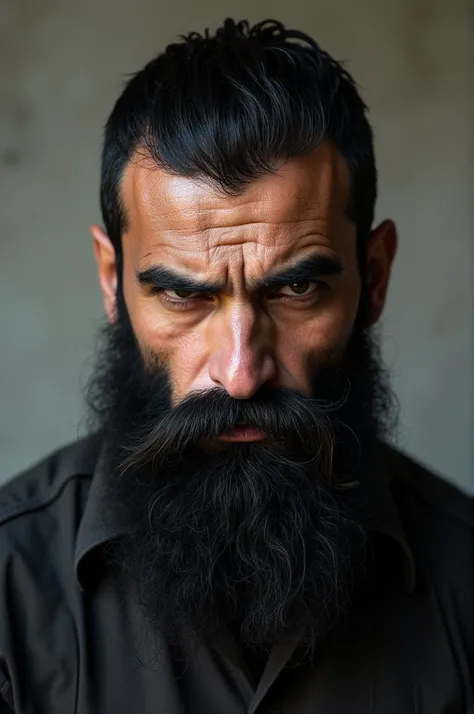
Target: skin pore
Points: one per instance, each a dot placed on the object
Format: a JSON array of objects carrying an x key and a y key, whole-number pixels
[{"x": 242, "y": 335}]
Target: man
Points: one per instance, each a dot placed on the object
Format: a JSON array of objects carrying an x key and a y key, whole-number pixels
[{"x": 235, "y": 535}]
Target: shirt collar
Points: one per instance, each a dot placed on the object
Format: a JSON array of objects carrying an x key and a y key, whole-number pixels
[
  {"x": 92, "y": 535},
  {"x": 384, "y": 516}
]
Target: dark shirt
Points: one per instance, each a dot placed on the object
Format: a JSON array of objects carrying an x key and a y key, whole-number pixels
[{"x": 72, "y": 640}]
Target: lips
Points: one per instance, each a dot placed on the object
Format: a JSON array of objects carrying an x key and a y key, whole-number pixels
[{"x": 243, "y": 432}]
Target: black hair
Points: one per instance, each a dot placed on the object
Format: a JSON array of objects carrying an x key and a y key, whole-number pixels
[{"x": 225, "y": 107}]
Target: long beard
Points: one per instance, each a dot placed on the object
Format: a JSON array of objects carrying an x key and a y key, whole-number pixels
[{"x": 265, "y": 537}]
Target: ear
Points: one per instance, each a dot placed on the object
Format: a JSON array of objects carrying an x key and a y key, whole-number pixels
[
  {"x": 381, "y": 251},
  {"x": 107, "y": 268}
]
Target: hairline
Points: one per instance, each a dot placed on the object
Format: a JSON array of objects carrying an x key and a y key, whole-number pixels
[{"x": 141, "y": 149}]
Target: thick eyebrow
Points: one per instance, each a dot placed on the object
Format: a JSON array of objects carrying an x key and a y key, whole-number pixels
[
  {"x": 167, "y": 279},
  {"x": 313, "y": 267}
]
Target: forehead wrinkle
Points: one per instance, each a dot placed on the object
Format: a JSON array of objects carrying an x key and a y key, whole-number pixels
[
  {"x": 305, "y": 188},
  {"x": 200, "y": 249},
  {"x": 217, "y": 223},
  {"x": 153, "y": 195},
  {"x": 205, "y": 233},
  {"x": 260, "y": 232}
]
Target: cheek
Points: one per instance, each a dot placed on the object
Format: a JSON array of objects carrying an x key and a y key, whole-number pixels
[
  {"x": 321, "y": 340},
  {"x": 153, "y": 328},
  {"x": 177, "y": 342},
  {"x": 179, "y": 346},
  {"x": 322, "y": 337}
]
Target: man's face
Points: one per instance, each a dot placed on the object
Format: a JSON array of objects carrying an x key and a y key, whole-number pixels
[
  {"x": 258, "y": 535},
  {"x": 242, "y": 335}
]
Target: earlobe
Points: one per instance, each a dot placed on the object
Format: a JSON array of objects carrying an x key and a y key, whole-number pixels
[
  {"x": 107, "y": 269},
  {"x": 381, "y": 251}
]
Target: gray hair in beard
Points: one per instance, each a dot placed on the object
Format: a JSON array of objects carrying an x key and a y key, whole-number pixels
[{"x": 266, "y": 538}]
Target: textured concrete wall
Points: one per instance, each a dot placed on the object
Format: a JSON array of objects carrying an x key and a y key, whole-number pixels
[{"x": 63, "y": 63}]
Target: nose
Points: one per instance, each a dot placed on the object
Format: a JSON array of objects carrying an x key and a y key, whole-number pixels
[{"x": 243, "y": 360}]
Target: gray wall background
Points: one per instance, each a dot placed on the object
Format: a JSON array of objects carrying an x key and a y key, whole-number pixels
[{"x": 62, "y": 65}]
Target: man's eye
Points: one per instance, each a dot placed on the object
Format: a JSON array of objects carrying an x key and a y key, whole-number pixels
[
  {"x": 180, "y": 294},
  {"x": 302, "y": 289}
]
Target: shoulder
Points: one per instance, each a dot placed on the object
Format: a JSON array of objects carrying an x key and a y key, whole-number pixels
[
  {"x": 438, "y": 520},
  {"x": 438, "y": 516},
  {"x": 44, "y": 483},
  {"x": 40, "y": 514},
  {"x": 432, "y": 498},
  {"x": 40, "y": 510}
]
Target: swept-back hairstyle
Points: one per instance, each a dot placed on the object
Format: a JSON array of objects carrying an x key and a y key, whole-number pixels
[{"x": 225, "y": 107}]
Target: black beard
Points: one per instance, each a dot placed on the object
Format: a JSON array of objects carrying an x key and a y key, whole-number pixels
[{"x": 264, "y": 537}]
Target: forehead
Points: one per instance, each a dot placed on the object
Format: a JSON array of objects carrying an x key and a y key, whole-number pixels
[{"x": 186, "y": 219}]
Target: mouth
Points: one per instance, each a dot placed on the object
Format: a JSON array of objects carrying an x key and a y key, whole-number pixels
[{"x": 243, "y": 432}]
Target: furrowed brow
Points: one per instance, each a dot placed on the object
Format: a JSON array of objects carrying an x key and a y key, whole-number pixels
[{"x": 310, "y": 268}]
